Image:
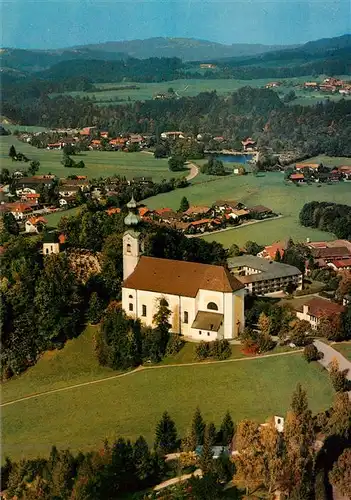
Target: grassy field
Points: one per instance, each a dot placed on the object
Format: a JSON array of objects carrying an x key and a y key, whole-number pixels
[
  {"x": 81, "y": 418},
  {"x": 98, "y": 163},
  {"x": 54, "y": 218},
  {"x": 267, "y": 189},
  {"x": 117, "y": 93},
  {"x": 344, "y": 348}
]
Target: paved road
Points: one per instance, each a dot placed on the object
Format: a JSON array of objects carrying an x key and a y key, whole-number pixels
[
  {"x": 144, "y": 368},
  {"x": 329, "y": 355}
]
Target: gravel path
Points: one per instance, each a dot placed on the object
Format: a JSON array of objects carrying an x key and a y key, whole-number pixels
[{"x": 140, "y": 369}]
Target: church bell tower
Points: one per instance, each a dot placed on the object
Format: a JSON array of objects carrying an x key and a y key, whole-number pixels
[{"x": 133, "y": 246}]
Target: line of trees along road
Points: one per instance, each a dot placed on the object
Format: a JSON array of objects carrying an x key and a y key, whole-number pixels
[{"x": 266, "y": 460}]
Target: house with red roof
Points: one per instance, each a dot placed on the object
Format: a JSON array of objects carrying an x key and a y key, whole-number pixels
[
  {"x": 269, "y": 252},
  {"x": 35, "y": 224},
  {"x": 317, "y": 308},
  {"x": 248, "y": 144},
  {"x": 297, "y": 178},
  {"x": 30, "y": 197}
]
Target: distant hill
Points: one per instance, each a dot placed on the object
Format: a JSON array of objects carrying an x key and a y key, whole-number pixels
[
  {"x": 15, "y": 62},
  {"x": 187, "y": 49},
  {"x": 39, "y": 60}
]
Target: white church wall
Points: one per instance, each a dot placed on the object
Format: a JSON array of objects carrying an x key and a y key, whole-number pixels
[{"x": 204, "y": 297}]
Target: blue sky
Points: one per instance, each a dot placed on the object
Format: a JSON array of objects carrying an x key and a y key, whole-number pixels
[{"x": 53, "y": 24}]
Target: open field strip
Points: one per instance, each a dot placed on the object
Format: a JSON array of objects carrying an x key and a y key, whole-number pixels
[
  {"x": 69, "y": 400},
  {"x": 267, "y": 189},
  {"x": 83, "y": 417},
  {"x": 117, "y": 93},
  {"x": 97, "y": 163}
]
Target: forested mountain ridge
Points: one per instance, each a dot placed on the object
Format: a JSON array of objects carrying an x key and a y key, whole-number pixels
[{"x": 186, "y": 49}]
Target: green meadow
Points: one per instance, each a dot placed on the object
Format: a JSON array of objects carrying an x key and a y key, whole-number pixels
[
  {"x": 267, "y": 189},
  {"x": 82, "y": 417},
  {"x": 108, "y": 93},
  {"x": 97, "y": 163}
]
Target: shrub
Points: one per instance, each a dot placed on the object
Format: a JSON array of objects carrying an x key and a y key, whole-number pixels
[
  {"x": 174, "y": 344},
  {"x": 311, "y": 353},
  {"x": 250, "y": 347},
  {"x": 220, "y": 349},
  {"x": 202, "y": 350},
  {"x": 264, "y": 342}
]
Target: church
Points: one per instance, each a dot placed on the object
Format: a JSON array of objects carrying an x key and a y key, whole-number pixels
[{"x": 206, "y": 301}]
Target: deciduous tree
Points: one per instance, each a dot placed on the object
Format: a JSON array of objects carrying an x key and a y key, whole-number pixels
[{"x": 340, "y": 475}]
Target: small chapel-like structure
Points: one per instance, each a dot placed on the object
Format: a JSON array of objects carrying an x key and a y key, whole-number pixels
[{"x": 206, "y": 301}]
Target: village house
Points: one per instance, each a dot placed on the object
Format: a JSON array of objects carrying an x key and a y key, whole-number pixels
[
  {"x": 272, "y": 85},
  {"x": 317, "y": 308},
  {"x": 203, "y": 225},
  {"x": 29, "y": 196},
  {"x": 79, "y": 181},
  {"x": 328, "y": 252},
  {"x": 227, "y": 205},
  {"x": 262, "y": 276},
  {"x": 118, "y": 143},
  {"x": 34, "y": 183},
  {"x": 308, "y": 166},
  {"x": 55, "y": 145},
  {"x": 248, "y": 144},
  {"x": 20, "y": 211},
  {"x": 206, "y": 301},
  {"x": 270, "y": 252},
  {"x": 67, "y": 191},
  {"x": 173, "y": 135},
  {"x": 298, "y": 178},
  {"x": 95, "y": 144},
  {"x": 194, "y": 211},
  {"x": 340, "y": 265},
  {"x": 87, "y": 131},
  {"x": 261, "y": 212},
  {"x": 35, "y": 224}
]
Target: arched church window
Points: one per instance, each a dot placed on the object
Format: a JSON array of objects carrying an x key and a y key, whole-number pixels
[
  {"x": 129, "y": 248},
  {"x": 130, "y": 296},
  {"x": 212, "y": 306}
]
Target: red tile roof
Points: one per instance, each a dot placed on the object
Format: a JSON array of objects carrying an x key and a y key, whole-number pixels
[
  {"x": 197, "y": 210},
  {"x": 342, "y": 263},
  {"x": 199, "y": 222},
  {"x": 319, "y": 307},
  {"x": 331, "y": 252},
  {"x": 177, "y": 277},
  {"x": 297, "y": 176},
  {"x": 271, "y": 250},
  {"x": 36, "y": 220},
  {"x": 113, "y": 210},
  {"x": 162, "y": 211},
  {"x": 143, "y": 211}
]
